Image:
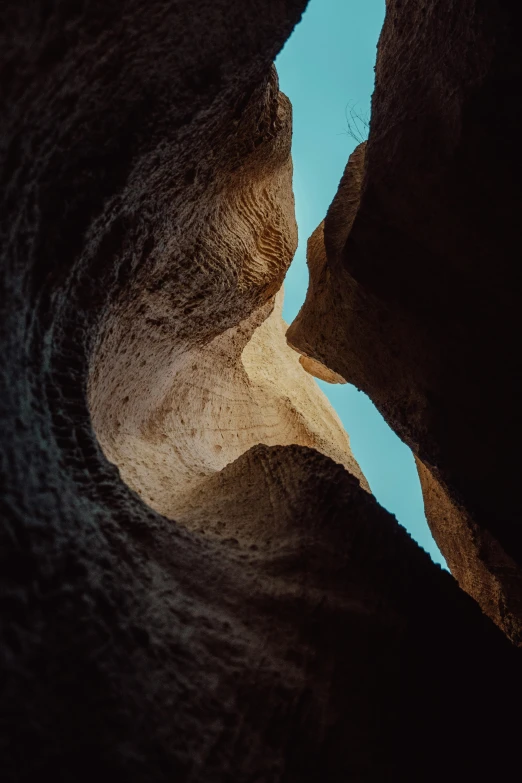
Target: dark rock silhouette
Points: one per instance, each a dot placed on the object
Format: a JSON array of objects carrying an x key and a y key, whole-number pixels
[
  {"x": 287, "y": 629},
  {"x": 418, "y": 298}
]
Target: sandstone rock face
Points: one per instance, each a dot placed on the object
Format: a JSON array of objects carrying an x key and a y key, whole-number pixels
[
  {"x": 172, "y": 407},
  {"x": 416, "y": 298},
  {"x": 319, "y": 370},
  {"x": 282, "y": 626}
]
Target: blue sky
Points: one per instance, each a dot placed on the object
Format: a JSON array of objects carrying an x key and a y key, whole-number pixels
[{"x": 327, "y": 65}]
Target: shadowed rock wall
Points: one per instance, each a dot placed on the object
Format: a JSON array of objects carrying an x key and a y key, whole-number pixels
[
  {"x": 417, "y": 298},
  {"x": 285, "y": 628}
]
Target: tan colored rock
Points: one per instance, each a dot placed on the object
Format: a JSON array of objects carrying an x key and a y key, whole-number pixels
[
  {"x": 242, "y": 388},
  {"x": 319, "y": 370},
  {"x": 171, "y": 405},
  {"x": 286, "y": 628}
]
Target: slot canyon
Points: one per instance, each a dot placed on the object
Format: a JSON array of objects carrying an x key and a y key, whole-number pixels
[{"x": 196, "y": 582}]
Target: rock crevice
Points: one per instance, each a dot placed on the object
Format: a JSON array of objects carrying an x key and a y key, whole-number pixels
[
  {"x": 414, "y": 287},
  {"x": 282, "y": 627}
]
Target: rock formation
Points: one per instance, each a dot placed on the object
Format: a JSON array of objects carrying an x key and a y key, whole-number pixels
[
  {"x": 186, "y": 378},
  {"x": 415, "y": 288},
  {"x": 273, "y": 623}
]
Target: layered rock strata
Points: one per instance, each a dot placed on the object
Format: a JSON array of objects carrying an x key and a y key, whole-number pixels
[{"x": 191, "y": 368}]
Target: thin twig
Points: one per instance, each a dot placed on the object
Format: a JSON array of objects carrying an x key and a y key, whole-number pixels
[{"x": 357, "y": 123}]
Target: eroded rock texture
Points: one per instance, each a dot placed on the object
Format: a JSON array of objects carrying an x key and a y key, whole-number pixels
[
  {"x": 415, "y": 289},
  {"x": 171, "y": 406},
  {"x": 283, "y": 627}
]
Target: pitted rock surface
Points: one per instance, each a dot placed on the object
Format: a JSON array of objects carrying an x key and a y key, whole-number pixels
[{"x": 285, "y": 628}]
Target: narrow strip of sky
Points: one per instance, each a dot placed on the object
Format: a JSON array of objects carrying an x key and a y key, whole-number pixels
[{"x": 326, "y": 66}]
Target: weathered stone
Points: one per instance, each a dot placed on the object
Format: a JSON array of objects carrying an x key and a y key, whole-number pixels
[
  {"x": 284, "y": 628},
  {"x": 171, "y": 407},
  {"x": 418, "y": 302}
]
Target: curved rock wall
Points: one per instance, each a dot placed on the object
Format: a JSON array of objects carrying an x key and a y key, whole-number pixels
[
  {"x": 283, "y": 627},
  {"x": 186, "y": 377}
]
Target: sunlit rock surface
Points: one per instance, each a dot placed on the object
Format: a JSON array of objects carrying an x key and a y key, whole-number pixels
[{"x": 172, "y": 405}]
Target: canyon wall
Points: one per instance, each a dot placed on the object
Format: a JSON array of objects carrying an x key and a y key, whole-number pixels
[
  {"x": 414, "y": 282},
  {"x": 273, "y": 622},
  {"x": 185, "y": 378}
]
